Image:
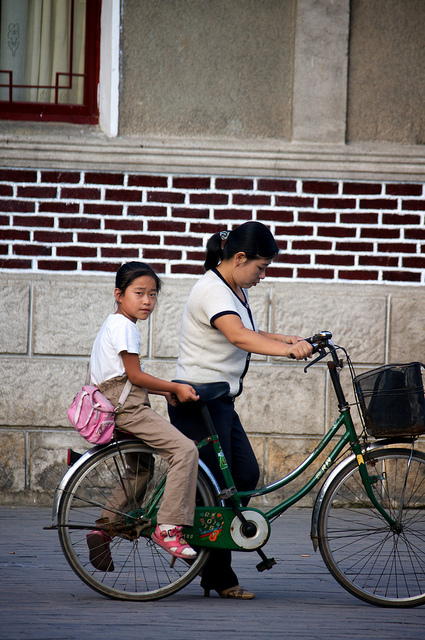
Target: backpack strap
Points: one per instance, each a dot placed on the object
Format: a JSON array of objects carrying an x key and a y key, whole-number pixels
[{"x": 124, "y": 395}]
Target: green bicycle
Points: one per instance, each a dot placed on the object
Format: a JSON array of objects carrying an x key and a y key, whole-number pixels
[{"x": 368, "y": 519}]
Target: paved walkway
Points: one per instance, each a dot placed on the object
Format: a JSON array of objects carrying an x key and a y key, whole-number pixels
[{"x": 42, "y": 599}]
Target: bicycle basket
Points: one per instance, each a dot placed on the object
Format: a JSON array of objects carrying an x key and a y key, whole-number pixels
[{"x": 391, "y": 400}]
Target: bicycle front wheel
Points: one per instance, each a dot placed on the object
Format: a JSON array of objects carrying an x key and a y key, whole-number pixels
[
  {"x": 116, "y": 490},
  {"x": 366, "y": 556}
]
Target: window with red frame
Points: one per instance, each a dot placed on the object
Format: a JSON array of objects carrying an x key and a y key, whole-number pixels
[{"x": 49, "y": 60}]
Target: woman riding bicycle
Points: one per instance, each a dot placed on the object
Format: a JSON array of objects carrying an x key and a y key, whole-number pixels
[{"x": 218, "y": 334}]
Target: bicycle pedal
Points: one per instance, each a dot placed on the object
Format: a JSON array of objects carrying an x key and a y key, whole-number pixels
[{"x": 268, "y": 563}]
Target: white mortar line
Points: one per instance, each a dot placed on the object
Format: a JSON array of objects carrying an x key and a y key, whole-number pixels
[
  {"x": 327, "y": 400},
  {"x": 150, "y": 339},
  {"x": 27, "y": 462},
  {"x": 387, "y": 329},
  {"x": 30, "y": 318},
  {"x": 264, "y": 462}
]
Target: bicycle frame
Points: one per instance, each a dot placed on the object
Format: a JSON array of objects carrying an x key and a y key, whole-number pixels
[
  {"x": 349, "y": 437},
  {"x": 222, "y": 518}
]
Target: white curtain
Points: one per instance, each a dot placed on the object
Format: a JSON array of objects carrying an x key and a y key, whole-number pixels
[{"x": 35, "y": 45}]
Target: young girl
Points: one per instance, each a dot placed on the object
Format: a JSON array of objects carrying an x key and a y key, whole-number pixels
[
  {"x": 114, "y": 358},
  {"x": 218, "y": 334}
]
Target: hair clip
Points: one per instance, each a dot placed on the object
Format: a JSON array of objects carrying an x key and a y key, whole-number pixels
[{"x": 224, "y": 235}]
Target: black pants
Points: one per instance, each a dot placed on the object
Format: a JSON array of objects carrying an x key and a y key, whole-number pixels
[{"x": 217, "y": 573}]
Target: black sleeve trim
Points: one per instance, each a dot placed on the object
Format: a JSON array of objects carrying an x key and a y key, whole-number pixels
[{"x": 222, "y": 313}]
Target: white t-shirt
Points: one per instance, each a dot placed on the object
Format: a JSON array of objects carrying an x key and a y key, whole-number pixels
[
  {"x": 205, "y": 354},
  {"x": 117, "y": 334}
]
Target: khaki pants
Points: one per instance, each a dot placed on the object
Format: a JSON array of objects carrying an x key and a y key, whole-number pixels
[{"x": 137, "y": 417}]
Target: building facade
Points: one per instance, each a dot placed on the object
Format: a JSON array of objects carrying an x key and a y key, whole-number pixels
[{"x": 305, "y": 115}]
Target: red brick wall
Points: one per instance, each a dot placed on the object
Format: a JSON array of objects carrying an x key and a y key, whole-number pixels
[{"x": 85, "y": 222}]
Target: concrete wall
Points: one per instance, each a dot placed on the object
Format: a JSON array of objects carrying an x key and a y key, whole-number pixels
[
  {"x": 386, "y": 88},
  {"x": 323, "y": 72},
  {"x": 277, "y": 88},
  {"x": 207, "y": 68},
  {"x": 48, "y": 325}
]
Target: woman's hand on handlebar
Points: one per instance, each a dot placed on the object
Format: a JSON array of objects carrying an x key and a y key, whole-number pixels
[{"x": 300, "y": 348}]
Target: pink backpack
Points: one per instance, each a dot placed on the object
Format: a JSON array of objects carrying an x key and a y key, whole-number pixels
[{"x": 93, "y": 416}]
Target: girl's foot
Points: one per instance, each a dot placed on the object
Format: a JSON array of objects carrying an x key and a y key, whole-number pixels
[
  {"x": 171, "y": 539},
  {"x": 100, "y": 554}
]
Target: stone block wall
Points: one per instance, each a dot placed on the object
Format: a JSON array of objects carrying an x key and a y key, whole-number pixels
[{"x": 48, "y": 325}]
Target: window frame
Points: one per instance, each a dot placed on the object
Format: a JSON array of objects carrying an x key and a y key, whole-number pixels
[{"x": 87, "y": 113}]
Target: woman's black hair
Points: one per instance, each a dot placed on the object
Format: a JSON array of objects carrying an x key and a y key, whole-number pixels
[
  {"x": 132, "y": 270},
  {"x": 253, "y": 238}
]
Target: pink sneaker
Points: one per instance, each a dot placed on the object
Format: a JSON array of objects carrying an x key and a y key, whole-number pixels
[{"x": 176, "y": 544}]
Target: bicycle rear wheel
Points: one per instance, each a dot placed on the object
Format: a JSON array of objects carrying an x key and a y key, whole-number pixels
[
  {"x": 115, "y": 490},
  {"x": 362, "y": 552}
]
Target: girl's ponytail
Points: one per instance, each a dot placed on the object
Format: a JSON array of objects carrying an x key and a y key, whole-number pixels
[{"x": 214, "y": 252}]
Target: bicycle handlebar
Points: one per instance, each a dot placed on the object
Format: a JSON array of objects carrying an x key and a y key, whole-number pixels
[
  {"x": 320, "y": 340},
  {"x": 319, "y": 343}
]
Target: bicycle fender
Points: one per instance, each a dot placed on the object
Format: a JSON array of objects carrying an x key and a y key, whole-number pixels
[
  {"x": 378, "y": 444},
  {"x": 72, "y": 469},
  {"x": 214, "y": 484},
  {"x": 319, "y": 498}
]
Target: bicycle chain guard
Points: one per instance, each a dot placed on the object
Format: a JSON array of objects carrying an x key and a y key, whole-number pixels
[{"x": 218, "y": 527}]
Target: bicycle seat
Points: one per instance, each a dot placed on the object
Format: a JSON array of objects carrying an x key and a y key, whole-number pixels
[{"x": 209, "y": 390}]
